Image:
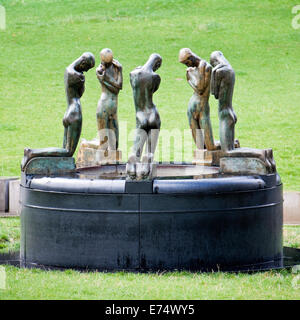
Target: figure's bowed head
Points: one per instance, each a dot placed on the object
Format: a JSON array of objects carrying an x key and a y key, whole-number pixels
[
  {"x": 189, "y": 58},
  {"x": 217, "y": 58},
  {"x": 154, "y": 62},
  {"x": 106, "y": 56},
  {"x": 85, "y": 62}
]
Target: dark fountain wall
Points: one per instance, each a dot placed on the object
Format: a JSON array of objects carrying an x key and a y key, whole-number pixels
[{"x": 223, "y": 223}]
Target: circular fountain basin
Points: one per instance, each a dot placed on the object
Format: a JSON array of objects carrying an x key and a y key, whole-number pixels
[{"x": 187, "y": 217}]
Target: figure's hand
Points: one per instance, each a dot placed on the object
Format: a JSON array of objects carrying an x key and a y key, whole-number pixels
[
  {"x": 100, "y": 72},
  {"x": 199, "y": 78},
  {"x": 205, "y": 76}
]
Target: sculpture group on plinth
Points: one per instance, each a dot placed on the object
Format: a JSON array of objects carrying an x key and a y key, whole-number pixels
[
  {"x": 216, "y": 77},
  {"x": 223, "y": 211}
]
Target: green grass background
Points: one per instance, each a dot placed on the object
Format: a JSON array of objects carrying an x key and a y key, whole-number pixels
[
  {"x": 42, "y": 285},
  {"x": 43, "y": 37}
]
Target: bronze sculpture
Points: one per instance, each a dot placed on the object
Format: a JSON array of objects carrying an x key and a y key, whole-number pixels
[
  {"x": 222, "y": 85},
  {"x": 144, "y": 82},
  {"x": 109, "y": 74},
  {"x": 72, "y": 121},
  {"x": 228, "y": 155},
  {"x": 183, "y": 216},
  {"x": 198, "y": 76}
]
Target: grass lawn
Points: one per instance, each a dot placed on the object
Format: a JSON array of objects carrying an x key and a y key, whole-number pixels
[
  {"x": 43, "y": 37},
  {"x": 70, "y": 284},
  {"x": 9, "y": 234}
]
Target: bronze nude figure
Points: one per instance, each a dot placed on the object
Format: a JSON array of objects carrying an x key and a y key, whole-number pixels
[
  {"x": 222, "y": 85},
  {"x": 144, "y": 82},
  {"x": 109, "y": 74},
  {"x": 198, "y": 76},
  {"x": 72, "y": 121}
]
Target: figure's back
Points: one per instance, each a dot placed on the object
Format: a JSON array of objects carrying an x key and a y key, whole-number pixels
[{"x": 141, "y": 81}]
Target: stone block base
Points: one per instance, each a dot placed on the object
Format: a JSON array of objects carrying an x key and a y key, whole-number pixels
[
  {"x": 14, "y": 197},
  {"x": 4, "y": 192},
  {"x": 291, "y": 207},
  {"x": 204, "y": 157},
  {"x": 243, "y": 166},
  {"x": 239, "y": 160},
  {"x": 91, "y": 157}
]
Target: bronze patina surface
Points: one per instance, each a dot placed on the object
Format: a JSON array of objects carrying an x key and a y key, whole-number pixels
[
  {"x": 239, "y": 160},
  {"x": 198, "y": 75},
  {"x": 109, "y": 74},
  {"x": 217, "y": 78},
  {"x": 222, "y": 85},
  {"x": 144, "y": 82},
  {"x": 72, "y": 121},
  {"x": 105, "y": 149},
  {"x": 47, "y": 166}
]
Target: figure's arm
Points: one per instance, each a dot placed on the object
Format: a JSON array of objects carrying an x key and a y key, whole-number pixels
[
  {"x": 216, "y": 80},
  {"x": 193, "y": 77},
  {"x": 101, "y": 75},
  {"x": 110, "y": 87},
  {"x": 115, "y": 83},
  {"x": 156, "y": 82},
  {"x": 190, "y": 82},
  {"x": 120, "y": 77},
  {"x": 118, "y": 65},
  {"x": 222, "y": 82},
  {"x": 74, "y": 76},
  {"x": 223, "y": 76}
]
